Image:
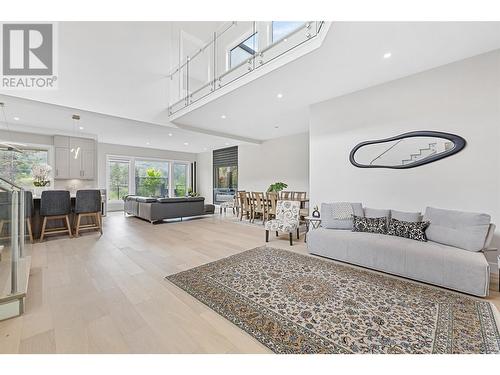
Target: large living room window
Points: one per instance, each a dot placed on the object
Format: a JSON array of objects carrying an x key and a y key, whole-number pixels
[
  {"x": 151, "y": 178},
  {"x": 225, "y": 164},
  {"x": 180, "y": 179},
  {"x": 118, "y": 180},
  {"x": 16, "y": 166}
]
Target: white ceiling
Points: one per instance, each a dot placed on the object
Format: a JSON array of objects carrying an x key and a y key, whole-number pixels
[
  {"x": 114, "y": 74},
  {"x": 350, "y": 59},
  {"x": 50, "y": 119}
]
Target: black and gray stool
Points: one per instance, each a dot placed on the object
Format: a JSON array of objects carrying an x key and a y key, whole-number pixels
[
  {"x": 55, "y": 205},
  {"x": 88, "y": 204},
  {"x": 28, "y": 212}
]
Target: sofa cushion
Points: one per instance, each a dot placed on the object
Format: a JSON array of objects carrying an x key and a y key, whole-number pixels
[
  {"x": 146, "y": 199},
  {"x": 369, "y": 224},
  {"x": 466, "y": 230},
  {"x": 375, "y": 212},
  {"x": 406, "y": 216},
  {"x": 332, "y": 218},
  {"x": 167, "y": 200},
  {"x": 407, "y": 229}
]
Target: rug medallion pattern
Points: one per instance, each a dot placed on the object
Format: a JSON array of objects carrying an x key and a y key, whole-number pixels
[{"x": 294, "y": 303}]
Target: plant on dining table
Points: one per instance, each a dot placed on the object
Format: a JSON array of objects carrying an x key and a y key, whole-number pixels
[
  {"x": 41, "y": 174},
  {"x": 277, "y": 187}
]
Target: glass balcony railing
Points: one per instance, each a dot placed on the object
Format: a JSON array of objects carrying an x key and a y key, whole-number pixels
[
  {"x": 13, "y": 206},
  {"x": 235, "y": 50}
]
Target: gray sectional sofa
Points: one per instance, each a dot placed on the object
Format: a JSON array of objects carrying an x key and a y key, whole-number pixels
[
  {"x": 157, "y": 209},
  {"x": 453, "y": 257}
]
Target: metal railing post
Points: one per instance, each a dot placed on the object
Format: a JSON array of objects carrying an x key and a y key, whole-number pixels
[
  {"x": 22, "y": 222},
  {"x": 14, "y": 247}
]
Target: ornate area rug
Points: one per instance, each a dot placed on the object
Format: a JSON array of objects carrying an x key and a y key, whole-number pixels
[{"x": 294, "y": 303}]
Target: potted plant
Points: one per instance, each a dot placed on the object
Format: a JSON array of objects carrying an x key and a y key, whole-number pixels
[
  {"x": 192, "y": 194},
  {"x": 277, "y": 187}
]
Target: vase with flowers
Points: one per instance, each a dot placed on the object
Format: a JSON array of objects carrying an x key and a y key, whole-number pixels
[{"x": 41, "y": 177}]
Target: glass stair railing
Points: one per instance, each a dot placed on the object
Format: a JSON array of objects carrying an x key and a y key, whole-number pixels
[
  {"x": 14, "y": 264},
  {"x": 234, "y": 51}
]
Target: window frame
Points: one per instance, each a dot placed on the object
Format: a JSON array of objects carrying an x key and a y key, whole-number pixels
[{"x": 236, "y": 43}]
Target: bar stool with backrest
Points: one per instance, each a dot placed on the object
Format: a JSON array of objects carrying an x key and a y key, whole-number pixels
[
  {"x": 28, "y": 212},
  {"x": 6, "y": 211},
  {"x": 88, "y": 204},
  {"x": 55, "y": 205},
  {"x": 258, "y": 206},
  {"x": 246, "y": 207}
]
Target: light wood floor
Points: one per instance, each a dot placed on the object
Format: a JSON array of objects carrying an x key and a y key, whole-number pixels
[{"x": 108, "y": 294}]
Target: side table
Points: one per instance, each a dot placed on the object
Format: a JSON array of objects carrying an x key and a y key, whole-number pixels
[{"x": 311, "y": 223}]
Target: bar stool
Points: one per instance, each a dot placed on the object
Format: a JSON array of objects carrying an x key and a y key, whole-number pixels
[
  {"x": 28, "y": 212},
  {"x": 88, "y": 204},
  {"x": 55, "y": 205},
  {"x": 5, "y": 211}
]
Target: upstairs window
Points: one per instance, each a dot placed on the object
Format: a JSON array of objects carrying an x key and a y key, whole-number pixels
[
  {"x": 282, "y": 29},
  {"x": 243, "y": 51}
]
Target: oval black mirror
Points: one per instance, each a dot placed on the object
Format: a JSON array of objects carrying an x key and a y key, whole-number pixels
[{"x": 407, "y": 150}]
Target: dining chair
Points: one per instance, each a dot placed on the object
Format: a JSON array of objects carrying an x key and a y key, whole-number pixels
[
  {"x": 237, "y": 202},
  {"x": 301, "y": 196},
  {"x": 258, "y": 206},
  {"x": 55, "y": 205},
  {"x": 29, "y": 209},
  {"x": 272, "y": 199},
  {"x": 286, "y": 195},
  {"x": 246, "y": 207},
  {"x": 287, "y": 219},
  {"x": 88, "y": 204}
]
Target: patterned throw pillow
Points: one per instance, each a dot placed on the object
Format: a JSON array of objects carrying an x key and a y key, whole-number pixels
[
  {"x": 412, "y": 230},
  {"x": 369, "y": 224}
]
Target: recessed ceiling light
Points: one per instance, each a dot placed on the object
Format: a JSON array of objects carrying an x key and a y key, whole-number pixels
[
  {"x": 81, "y": 127},
  {"x": 205, "y": 149},
  {"x": 223, "y": 117},
  {"x": 285, "y": 40},
  {"x": 227, "y": 143},
  {"x": 186, "y": 144},
  {"x": 387, "y": 55},
  {"x": 170, "y": 134},
  {"x": 16, "y": 118},
  {"x": 147, "y": 143},
  {"x": 279, "y": 96}
]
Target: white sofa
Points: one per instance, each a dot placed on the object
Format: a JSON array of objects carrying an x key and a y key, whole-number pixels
[{"x": 430, "y": 262}]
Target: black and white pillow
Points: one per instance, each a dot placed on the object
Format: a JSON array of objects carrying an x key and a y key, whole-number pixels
[
  {"x": 407, "y": 229},
  {"x": 369, "y": 224}
]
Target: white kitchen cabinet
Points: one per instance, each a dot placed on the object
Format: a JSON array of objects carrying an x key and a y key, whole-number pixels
[
  {"x": 75, "y": 158},
  {"x": 61, "y": 170}
]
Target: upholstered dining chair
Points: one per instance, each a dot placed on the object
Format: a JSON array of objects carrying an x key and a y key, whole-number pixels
[
  {"x": 88, "y": 204},
  {"x": 301, "y": 196},
  {"x": 286, "y": 195},
  {"x": 237, "y": 202},
  {"x": 259, "y": 207},
  {"x": 287, "y": 220},
  {"x": 246, "y": 207},
  {"x": 55, "y": 205},
  {"x": 272, "y": 200}
]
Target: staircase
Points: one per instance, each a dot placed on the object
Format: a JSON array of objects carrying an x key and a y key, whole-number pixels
[{"x": 422, "y": 154}]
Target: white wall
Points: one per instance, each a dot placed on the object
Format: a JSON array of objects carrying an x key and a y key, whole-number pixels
[
  {"x": 283, "y": 159},
  {"x": 461, "y": 98},
  {"x": 204, "y": 168}
]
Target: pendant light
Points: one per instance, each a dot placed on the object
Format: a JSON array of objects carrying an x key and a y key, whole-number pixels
[{"x": 75, "y": 151}]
